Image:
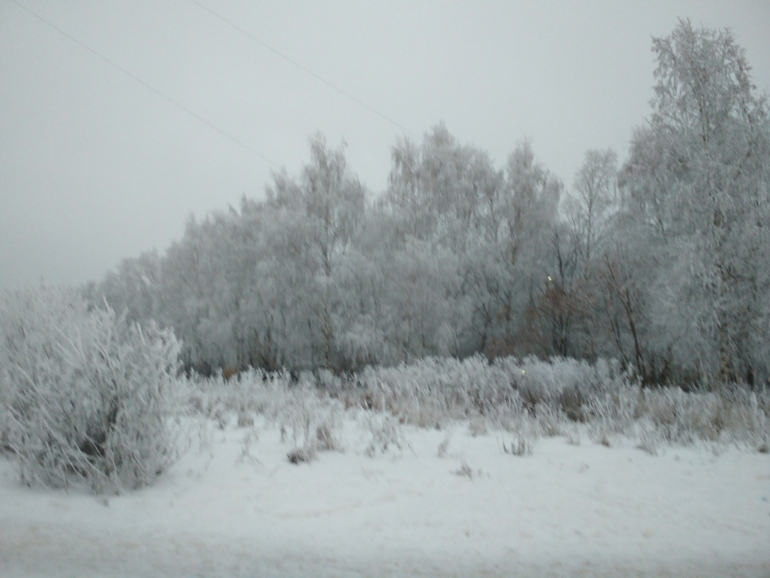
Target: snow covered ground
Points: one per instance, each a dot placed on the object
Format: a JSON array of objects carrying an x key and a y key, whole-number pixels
[{"x": 235, "y": 506}]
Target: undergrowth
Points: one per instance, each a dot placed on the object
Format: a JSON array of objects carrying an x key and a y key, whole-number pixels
[{"x": 526, "y": 398}]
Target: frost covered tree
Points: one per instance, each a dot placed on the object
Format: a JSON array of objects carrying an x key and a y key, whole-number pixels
[
  {"x": 619, "y": 288},
  {"x": 527, "y": 214},
  {"x": 182, "y": 298},
  {"x": 441, "y": 205},
  {"x": 199, "y": 294},
  {"x": 132, "y": 288},
  {"x": 595, "y": 189},
  {"x": 331, "y": 202},
  {"x": 437, "y": 188},
  {"x": 699, "y": 177},
  {"x": 235, "y": 289},
  {"x": 334, "y": 201},
  {"x": 276, "y": 307},
  {"x": 569, "y": 305},
  {"x": 561, "y": 305}
]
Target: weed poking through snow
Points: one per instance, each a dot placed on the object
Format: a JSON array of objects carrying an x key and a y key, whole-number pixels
[{"x": 464, "y": 470}]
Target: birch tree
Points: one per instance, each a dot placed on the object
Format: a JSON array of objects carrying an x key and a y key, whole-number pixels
[{"x": 698, "y": 173}]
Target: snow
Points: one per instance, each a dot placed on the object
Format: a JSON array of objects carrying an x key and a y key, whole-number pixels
[{"x": 235, "y": 506}]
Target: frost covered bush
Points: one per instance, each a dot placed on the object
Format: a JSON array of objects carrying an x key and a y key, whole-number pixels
[
  {"x": 733, "y": 414},
  {"x": 669, "y": 415},
  {"x": 434, "y": 390},
  {"x": 252, "y": 392},
  {"x": 83, "y": 394},
  {"x": 531, "y": 398},
  {"x": 386, "y": 432},
  {"x": 556, "y": 393},
  {"x": 312, "y": 421},
  {"x": 306, "y": 415},
  {"x": 560, "y": 382}
]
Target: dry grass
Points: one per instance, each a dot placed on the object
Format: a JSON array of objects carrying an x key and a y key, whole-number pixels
[{"x": 526, "y": 398}]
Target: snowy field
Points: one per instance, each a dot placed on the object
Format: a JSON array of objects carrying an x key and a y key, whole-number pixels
[{"x": 235, "y": 506}]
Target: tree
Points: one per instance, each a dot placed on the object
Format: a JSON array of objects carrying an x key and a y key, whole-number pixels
[
  {"x": 334, "y": 200},
  {"x": 569, "y": 305},
  {"x": 561, "y": 303},
  {"x": 527, "y": 212},
  {"x": 438, "y": 206},
  {"x": 596, "y": 192},
  {"x": 131, "y": 289},
  {"x": 698, "y": 175},
  {"x": 621, "y": 300},
  {"x": 332, "y": 203}
]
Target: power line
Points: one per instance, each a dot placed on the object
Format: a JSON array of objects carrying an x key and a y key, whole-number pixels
[
  {"x": 147, "y": 85},
  {"x": 304, "y": 68}
]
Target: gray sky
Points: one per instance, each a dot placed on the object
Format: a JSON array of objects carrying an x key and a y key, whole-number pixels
[{"x": 95, "y": 166}]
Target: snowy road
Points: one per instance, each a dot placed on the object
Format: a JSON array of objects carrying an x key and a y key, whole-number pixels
[{"x": 566, "y": 510}]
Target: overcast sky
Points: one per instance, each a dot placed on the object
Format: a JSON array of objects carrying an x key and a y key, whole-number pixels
[{"x": 98, "y": 164}]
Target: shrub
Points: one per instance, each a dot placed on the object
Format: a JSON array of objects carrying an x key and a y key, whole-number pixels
[
  {"x": 313, "y": 419},
  {"x": 386, "y": 432},
  {"x": 527, "y": 397},
  {"x": 83, "y": 394},
  {"x": 301, "y": 456},
  {"x": 521, "y": 446}
]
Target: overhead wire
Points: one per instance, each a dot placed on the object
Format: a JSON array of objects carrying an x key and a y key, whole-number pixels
[
  {"x": 304, "y": 68},
  {"x": 147, "y": 85}
]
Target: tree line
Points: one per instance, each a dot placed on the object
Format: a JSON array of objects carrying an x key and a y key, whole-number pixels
[{"x": 661, "y": 261}]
